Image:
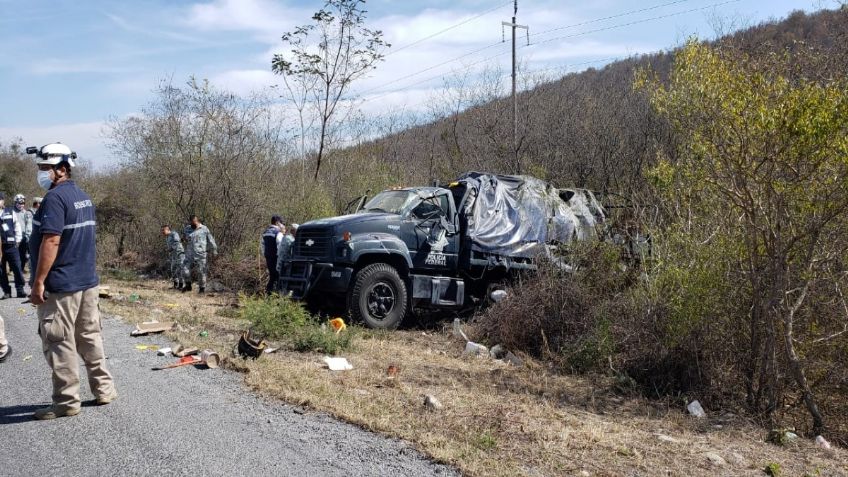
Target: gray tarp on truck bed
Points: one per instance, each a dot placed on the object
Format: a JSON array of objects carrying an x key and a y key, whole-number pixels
[{"x": 517, "y": 215}]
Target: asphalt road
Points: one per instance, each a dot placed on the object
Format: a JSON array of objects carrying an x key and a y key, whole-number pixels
[{"x": 182, "y": 421}]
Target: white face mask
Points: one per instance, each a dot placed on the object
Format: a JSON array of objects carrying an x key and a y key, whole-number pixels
[{"x": 45, "y": 179}]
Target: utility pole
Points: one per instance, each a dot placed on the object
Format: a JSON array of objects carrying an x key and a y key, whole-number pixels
[{"x": 514, "y": 25}]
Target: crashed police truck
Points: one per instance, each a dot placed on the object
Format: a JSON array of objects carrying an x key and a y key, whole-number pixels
[{"x": 437, "y": 248}]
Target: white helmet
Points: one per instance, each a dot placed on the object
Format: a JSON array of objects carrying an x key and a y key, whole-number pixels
[
  {"x": 53, "y": 154},
  {"x": 20, "y": 199}
]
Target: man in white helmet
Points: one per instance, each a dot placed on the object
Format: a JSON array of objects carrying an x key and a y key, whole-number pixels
[
  {"x": 65, "y": 285},
  {"x": 24, "y": 218}
]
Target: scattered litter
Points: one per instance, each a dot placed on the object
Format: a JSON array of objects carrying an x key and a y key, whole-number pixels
[
  {"x": 22, "y": 311},
  {"x": 184, "y": 361},
  {"x": 476, "y": 349},
  {"x": 271, "y": 350},
  {"x": 134, "y": 298},
  {"x": 152, "y": 327},
  {"x": 299, "y": 410},
  {"x": 338, "y": 325},
  {"x": 142, "y": 347},
  {"x": 337, "y": 364},
  {"x": 164, "y": 351},
  {"x": 210, "y": 358},
  {"x": 250, "y": 347},
  {"x": 29, "y": 357},
  {"x": 695, "y": 409},
  {"x": 105, "y": 292},
  {"x": 393, "y": 371},
  {"x": 822, "y": 442},
  {"x": 457, "y": 329},
  {"x": 181, "y": 351},
  {"x": 666, "y": 438},
  {"x": 498, "y": 295},
  {"x": 497, "y": 352},
  {"x": 172, "y": 305},
  {"x": 203, "y": 334},
  {"x": 432, "y": 402}
]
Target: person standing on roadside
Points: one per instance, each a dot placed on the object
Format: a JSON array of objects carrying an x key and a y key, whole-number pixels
[
  {"x": 268, "y": 245},
  {"x": 199, "y": 240},
  {"x": 12, "y": 233},
  {"x": 284, "y": 248},
  {"x": 65, "y": 285},
  {"x": 176, "y": 256},
  {"x": 24, "y": 218}
]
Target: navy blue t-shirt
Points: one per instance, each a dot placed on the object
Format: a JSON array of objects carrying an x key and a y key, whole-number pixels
[{"x": 68, "y": 211}]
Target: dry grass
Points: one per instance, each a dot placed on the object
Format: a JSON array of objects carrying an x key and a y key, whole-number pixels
[{"x": 497, "y": 419}]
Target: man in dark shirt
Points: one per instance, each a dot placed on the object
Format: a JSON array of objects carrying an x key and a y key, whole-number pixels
[{"x": 65, "y": 285}]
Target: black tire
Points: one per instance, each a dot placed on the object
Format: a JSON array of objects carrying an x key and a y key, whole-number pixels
[{"x": 378, "y": 297}]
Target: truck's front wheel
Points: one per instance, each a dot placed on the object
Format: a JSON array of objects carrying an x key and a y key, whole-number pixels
[{"x": 378, "y": 297}]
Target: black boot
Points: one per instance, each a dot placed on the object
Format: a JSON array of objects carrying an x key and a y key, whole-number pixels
[
  {"x": 177, "y": 285},
  {"x": 20, "y": 293},
  {"x": 187, "y": 287},
  {"x": 201, "y": 290}
]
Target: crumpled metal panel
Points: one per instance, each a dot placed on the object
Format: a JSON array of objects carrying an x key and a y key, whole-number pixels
[{"x": 517, "y": 216}]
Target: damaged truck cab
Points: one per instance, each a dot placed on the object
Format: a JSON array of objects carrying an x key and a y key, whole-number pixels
[{"x": 426, "y": 247}]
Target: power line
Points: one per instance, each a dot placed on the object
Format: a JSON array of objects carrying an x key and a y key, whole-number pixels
[
  {"x": 637, "y": 22},
  {"x": 597, "y": 20},
  {"x": 539, "y": 70},
  {"x": 493, "y": 45},
  {"x": 457, "y": 25},
  {"x": 489, "y": 58},
  {"x": 430, "y": 68}
]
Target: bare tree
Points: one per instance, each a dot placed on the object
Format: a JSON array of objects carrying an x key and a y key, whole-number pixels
[{"x": 332, "y": 53}]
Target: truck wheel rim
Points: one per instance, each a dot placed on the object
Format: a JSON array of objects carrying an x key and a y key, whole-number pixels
[{"x": 381, "y": 300}]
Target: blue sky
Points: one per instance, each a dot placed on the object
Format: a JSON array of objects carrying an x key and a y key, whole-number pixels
[{"x": 67, "y": 66}]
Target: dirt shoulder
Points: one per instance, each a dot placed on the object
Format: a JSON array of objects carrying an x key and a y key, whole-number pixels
[{"x": 496, "y": 419}]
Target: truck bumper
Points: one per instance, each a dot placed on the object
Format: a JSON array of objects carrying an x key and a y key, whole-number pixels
[{"x": 302, "y": 277}]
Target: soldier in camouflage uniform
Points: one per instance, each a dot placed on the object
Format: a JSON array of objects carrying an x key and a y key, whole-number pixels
[
  {"x": 199, "y": 239},
  {"x": 176, "y": 256}
]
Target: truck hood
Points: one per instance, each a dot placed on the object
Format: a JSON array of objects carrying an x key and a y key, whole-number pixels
[{"x": 354, "y": 219}]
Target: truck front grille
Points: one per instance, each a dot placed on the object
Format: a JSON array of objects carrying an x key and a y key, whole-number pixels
[{"x": 313, "y": 243}]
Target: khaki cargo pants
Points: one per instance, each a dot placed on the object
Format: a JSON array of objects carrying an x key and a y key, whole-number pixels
[
  {"x": 3, "y": 342},
  {"x": 69, "y": 325}
]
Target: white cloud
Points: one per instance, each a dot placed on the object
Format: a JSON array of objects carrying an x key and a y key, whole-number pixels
[
  {"x": 264, "y": 18},
  {"x": 148, "y": 30},
  {"x": 86, "y": 139},
  {"x": 243, "y": 82}
]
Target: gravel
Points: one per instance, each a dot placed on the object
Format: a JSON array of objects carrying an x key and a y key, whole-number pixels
[{"x": 174, "y": 422}]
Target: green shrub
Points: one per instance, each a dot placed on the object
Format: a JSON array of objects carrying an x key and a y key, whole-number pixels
[
  {"x": 273, "y": 317},
  {"x": 314, "y": 337},
  {"x": 280, "y": 318}
]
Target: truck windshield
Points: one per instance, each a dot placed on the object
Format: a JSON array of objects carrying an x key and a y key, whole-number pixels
[{"x": 391, "y": 201}]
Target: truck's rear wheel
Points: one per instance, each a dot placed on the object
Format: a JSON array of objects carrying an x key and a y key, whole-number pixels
[{"x": 378, "y": 297}]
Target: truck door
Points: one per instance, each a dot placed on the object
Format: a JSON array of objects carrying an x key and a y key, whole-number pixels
[{"x": 434, "y": 233}]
